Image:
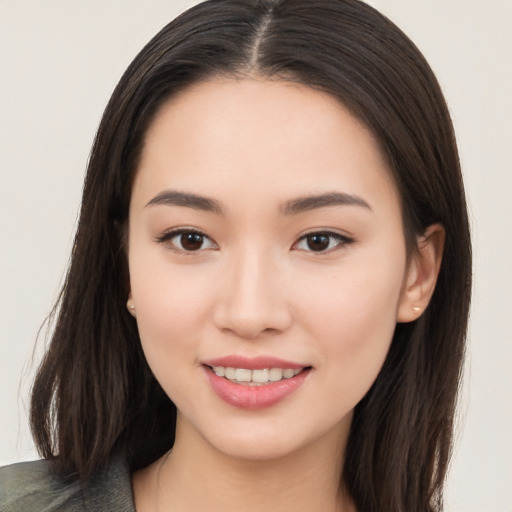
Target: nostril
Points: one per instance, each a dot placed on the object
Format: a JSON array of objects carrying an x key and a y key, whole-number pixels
[{"x": 253, "y": 324}]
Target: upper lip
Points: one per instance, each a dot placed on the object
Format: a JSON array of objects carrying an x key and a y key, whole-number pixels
[{"x": 253, "y": 363}]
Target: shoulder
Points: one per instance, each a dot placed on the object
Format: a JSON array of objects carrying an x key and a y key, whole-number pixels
[{"x": 34, "y": 486}]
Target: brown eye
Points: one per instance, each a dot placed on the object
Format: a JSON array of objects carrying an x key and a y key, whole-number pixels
[
  {"x": 317, "y": 242},
  {"x": 191, "y": 241},
  {"x": 187, "y": 241},
  {"x": 322, "y": 242}
]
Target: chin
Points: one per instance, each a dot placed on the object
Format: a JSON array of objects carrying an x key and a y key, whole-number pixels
[
  {"x": 271, "y": 441},
  {"x": 258, "y": 450}
]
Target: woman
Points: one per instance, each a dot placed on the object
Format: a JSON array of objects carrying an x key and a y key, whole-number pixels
[{"x": 267, "y": 301}]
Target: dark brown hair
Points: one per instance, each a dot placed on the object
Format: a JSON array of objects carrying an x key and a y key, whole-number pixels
[{"x": 95, "y": 395}]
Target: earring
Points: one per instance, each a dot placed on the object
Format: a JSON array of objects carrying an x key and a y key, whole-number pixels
[
  {"x": 130, "y": 305},
  {"x": 416, "y": 309}
]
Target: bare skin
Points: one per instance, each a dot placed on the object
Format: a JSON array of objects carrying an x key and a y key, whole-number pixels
[
  {"x": 272, "y": 271},
  {"x": 183, "y": 480}
]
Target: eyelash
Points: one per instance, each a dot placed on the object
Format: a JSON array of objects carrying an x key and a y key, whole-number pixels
[
  {"x": 166, "y": 238},
  {"x": 341, "y": 240}
]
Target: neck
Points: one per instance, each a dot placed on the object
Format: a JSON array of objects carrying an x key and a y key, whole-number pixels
[{"x": 195, "y": 476}]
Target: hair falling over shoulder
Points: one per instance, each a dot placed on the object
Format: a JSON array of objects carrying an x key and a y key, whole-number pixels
[{"x": 94, "y": 395}]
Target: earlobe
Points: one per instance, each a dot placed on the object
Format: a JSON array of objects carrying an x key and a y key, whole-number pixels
[
  {"x": 422, "y": 274},
  {"x": 131, "y": 305}
]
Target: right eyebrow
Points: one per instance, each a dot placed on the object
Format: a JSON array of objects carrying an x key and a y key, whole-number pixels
[
  {"x": 186, "y": 199},
  {"x": 304, "y": 204}
]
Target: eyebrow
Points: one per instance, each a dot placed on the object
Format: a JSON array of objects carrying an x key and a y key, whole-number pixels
[
  {"x": 188, "y": 200},
  {"x": 304, "y": 204},
  {"x": 293, "y": 207}
]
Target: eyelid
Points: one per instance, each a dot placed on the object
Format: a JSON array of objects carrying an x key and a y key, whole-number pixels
[
  {"x": 168, "y": 235},
  {"x": 342, "y": 239}
]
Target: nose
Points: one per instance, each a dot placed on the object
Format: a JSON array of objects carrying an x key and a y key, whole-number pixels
[{"x": 253, "y": 298}]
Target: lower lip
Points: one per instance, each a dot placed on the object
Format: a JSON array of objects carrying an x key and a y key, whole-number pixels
[{"x": 254, "y": 397}]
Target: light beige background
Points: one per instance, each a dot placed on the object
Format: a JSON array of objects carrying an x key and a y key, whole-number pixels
[{"x": 59, "y": 61}]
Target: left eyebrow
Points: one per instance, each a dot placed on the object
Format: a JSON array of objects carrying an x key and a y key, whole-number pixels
[
  {"x": 187, "y": 200},
  {"x": 304, "y": 204}
]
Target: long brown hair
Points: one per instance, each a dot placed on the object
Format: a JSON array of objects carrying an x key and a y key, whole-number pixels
[{"x": 95, "y": 395}]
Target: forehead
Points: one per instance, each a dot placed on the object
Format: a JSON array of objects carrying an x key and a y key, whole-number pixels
[{"x": 259, "y": 136}]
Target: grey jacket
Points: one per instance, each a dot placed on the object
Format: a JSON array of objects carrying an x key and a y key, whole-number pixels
[{"x": 32, "y": 487}]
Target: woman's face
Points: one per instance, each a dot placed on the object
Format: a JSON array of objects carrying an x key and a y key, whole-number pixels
[{"x": 265, "y": 246}]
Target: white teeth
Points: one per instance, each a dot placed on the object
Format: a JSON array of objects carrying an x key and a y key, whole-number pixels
[
  {"x": 220, "y": 371},
  {"x": 275, "y": 374},
  {"x": 261, "y": 376},
  {"x": 230, "y": 373},
  {"x": 242, "y": 375}
]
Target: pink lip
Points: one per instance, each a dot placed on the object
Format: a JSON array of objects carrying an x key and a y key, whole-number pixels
[
  {"x": 254, "y": 363},
  {"x": 254, "y": 397}
]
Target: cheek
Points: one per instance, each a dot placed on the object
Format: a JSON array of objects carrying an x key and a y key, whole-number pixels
[
  {"x": 351, "y": 319},
  {"x": 171, "y": 303},
  {"x": 362, "y": 294},
  {"x": 170, "y": 319}
]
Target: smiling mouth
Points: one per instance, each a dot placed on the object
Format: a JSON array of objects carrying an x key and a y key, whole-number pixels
[{"x": 258, "y": 377}]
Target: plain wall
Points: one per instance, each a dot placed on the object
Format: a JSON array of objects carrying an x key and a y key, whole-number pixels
[{"x": 59, "y": 61}]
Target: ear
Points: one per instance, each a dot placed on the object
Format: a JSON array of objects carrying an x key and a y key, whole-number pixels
[
  {"x": 131, "y": 305},
  {"x": 422, "y": 274}
]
